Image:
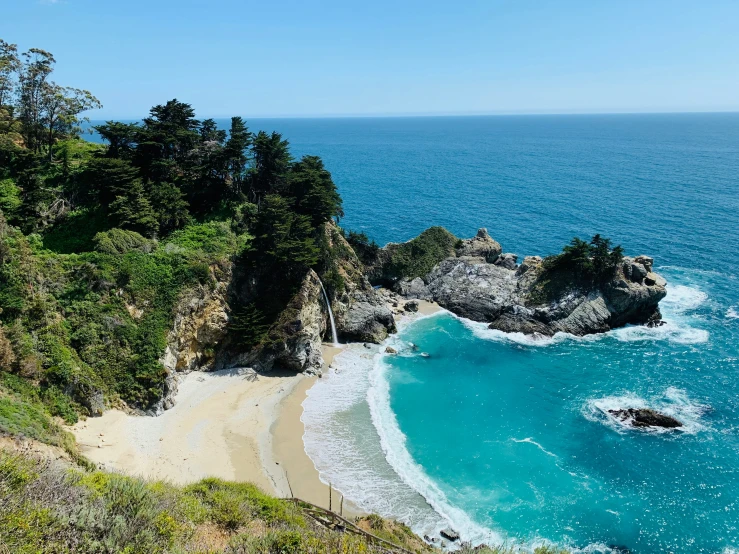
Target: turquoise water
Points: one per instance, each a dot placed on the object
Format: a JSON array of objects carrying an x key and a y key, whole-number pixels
[{"x": 506, "y": 439}]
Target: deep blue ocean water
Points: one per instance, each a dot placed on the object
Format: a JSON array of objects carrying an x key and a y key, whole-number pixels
[{"x": 504, "y": 438}]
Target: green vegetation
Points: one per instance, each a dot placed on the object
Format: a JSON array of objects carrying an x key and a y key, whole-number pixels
[
  {"x": 98, "y": 243},
  {"x": 581, "y": 264},
  {"x": 50, "y": 508},
  {"x": 417, "y": 257},
  {"x": 366, "y": 249}
]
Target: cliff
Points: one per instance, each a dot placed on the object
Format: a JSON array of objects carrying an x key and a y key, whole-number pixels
[{"x": 481, "y": 283}]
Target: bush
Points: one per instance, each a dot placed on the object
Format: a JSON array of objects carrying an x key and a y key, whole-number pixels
[
  {"x": 418, "y": 257},
  {"x": 120, "y": 241}
]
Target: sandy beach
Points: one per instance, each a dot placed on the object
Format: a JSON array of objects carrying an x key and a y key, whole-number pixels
[{"x": 223, "y": 425}]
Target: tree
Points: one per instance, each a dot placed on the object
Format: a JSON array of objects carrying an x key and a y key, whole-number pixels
[
  {"x": 133, "y": 211},
  {"x": 235, "y": 154},
  {"x": 104, "y": 179},
  {"x": 170, "y": 206},
  {"x": 209, "y": 132},
  {"x": 284, "y": 238},
  {"x": 310, "y": 183},
  {"x": 271, "y": 164},
  {"x": 9, "y": 67},
  {"x": 121, "y": 138},
  {"x": 60, "y": 110},
  {"x": 165, "y": 141},
  {"x": 33, "y": 77}
]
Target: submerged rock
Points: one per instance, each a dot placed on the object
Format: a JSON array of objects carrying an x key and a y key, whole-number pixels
[{"x": 645, "y": 417}]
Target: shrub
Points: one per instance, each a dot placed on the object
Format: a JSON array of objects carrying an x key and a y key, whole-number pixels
[
  {"x": 418, "y": 257},
  {"x": 120, "y": 241}
]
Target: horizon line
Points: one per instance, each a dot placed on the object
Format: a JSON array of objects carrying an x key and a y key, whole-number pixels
[{"x": 391, "y": 115}]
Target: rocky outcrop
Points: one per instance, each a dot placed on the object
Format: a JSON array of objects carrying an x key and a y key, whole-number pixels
[
  {"x": 302, "y": 325},
  {"x": 200, "y": 321},
  {"x": 481, "y": 245},
  {"x": 509, "y": 298},
  {"x": 645, "y": 417}
]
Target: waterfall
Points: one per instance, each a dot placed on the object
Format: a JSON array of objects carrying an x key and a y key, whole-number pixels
[{"x": 334, "y": 336}]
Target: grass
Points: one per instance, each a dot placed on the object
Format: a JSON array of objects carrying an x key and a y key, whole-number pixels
[{"x": 51, "y": 508}]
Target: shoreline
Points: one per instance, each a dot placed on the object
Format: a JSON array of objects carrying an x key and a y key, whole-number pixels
[{"x": 227, "y": 426}]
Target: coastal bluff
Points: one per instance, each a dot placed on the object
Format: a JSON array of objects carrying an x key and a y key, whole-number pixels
[{"x": 474, "y": 279}]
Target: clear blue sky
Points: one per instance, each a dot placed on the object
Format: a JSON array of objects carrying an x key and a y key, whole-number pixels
[{"x": 313, "y": 58}]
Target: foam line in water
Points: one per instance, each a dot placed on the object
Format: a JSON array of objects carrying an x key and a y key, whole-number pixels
[
  {"x": 345, "y": 448},
  {"x": 393, "y": 443}
]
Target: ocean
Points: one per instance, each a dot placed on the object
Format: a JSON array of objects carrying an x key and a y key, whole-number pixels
[{"x": 505, "y": 438}]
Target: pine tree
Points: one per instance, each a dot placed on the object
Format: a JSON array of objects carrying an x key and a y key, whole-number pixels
[{"x": 134, "y": 211}]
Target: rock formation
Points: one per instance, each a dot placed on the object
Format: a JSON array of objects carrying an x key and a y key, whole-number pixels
[
  {"x": 482, "y": 284},
  {"x": 645, "y": 417}
]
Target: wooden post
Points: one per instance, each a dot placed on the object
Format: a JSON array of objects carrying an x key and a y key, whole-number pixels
[
  {"x": 289, "y": 486},
  {"x": 341, "y": 509},
  {"x": 330, "y": 490}
]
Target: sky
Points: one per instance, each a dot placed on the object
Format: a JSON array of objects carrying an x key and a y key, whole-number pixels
[{"x": 403, "y": 57}]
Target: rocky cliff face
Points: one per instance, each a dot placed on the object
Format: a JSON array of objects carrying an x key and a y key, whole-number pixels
[
  {"x": 482, "y": 284},
  {"x": 200, "y": 321},
  {"x": 361, "y": 313}
]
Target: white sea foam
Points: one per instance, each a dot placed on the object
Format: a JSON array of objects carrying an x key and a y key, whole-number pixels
[
  {"x": 732, "y": 312},
  {"x": 681, "y": 299},
  {"x": 676, "y": 327},
  {"x": 393, "y": 443},
  {"x": 345, "y": 448},
  {"x": 673, "y": 402}
]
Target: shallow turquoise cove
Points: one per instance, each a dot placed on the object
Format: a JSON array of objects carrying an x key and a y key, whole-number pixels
[{"x": 508, "y": 439}]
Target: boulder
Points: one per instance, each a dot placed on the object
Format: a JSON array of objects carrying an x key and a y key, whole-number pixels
[
  {"x": 508, "y": 261},
  {"x": 645, "y": 417},
  {"x": 390, "y": 350},
  {"x": 411, "y": 306},
  {"x": 481, "y": 245},
  {"x": 529, "y": 262},
  {"x": 449, "y": 534},
  {"x": 646, "y": 261}
]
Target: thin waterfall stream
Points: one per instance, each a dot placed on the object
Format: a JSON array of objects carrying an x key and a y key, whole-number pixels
[{"x": 334, "y": 336}]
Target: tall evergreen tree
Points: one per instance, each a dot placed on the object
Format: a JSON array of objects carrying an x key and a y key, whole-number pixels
[
  {"x": 271, "y": 163},
  {"x": 134, "y": 211},
  {"x": 235, "y": 154},
  {"x": 315, "y": 193}
]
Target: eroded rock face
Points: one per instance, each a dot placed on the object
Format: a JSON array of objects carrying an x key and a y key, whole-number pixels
[
  {"x": 645, "y": 417},
  {"x": 302, "y": 325},
  {"x": 201, "y": 317},
  {"x": 504, "y": 294},
  {"x": 361, "y": 313},
  {"x": 481, "y": 245}
]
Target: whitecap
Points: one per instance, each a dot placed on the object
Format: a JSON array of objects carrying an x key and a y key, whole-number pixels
[
  {"x": 682, "y": 298},
  {"x": 732, "y": 312},
  {"x": 673, "y": 402}
]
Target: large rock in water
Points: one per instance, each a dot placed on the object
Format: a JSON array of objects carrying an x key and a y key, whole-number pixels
[
  {"x": 645, "y": 417},
  {"x": 508, "y": 297}
]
